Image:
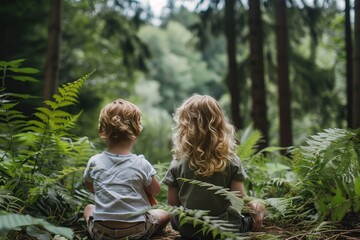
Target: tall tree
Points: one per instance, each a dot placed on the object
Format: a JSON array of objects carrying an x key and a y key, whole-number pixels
[
  {"x": 356, "y": 80},
  {"x": 349, "y": 63},
  {"x": 232, "y": 78},
  {"x": 53, "y": 51},
  {"x": 257, "y": 71},
  {"x": 282, "y": 45}
]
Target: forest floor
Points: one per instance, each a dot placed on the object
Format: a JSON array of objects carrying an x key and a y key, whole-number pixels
[
  {"x": 280, "y": 233},
  {"x": 171, "y": 234},
  {"x": 269, "y": 231}
]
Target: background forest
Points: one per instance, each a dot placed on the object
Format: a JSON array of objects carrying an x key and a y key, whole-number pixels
[{"x": 286, "y": 72}]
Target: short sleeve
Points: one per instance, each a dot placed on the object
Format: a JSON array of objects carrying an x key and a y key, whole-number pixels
[
  {"x": 87, "y": 171},
  {"x": 148, "y": 170},
  {"x": 238, "y": 171},
  {"x": 170, "y": 178}
]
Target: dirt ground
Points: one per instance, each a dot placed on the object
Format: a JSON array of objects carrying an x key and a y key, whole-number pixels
[{"x": 286, "y": 234}]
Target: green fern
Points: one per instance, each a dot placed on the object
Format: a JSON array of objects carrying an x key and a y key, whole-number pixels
[
  {"x": 222, "y": 229},
  {"x": 11, "y": 120},
  {"x": 9, "y": 203},
  {"x": 248, "y": 143},
  {"x": 41, "y": 161},
  {"x": 235, "y": 199},
  {"x": 218, "y": 228},
  {"x": 277, "y": 208},
  {"x": 330, "y": 159},
  {"x": 269, "y": 172}
]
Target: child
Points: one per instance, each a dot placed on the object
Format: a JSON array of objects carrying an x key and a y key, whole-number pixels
[
  {"x": 121, "y": 180},
  {"x": 204, "y": 150}
]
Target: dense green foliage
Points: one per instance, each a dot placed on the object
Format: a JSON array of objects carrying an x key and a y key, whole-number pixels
[
  {"x": 127, "y": 51},
  {"x": 330, "y": 158},
  {"x": 41, "y": 165},
  {"x": 41, "y": 161},
  {"x": 311, "y": 192}
]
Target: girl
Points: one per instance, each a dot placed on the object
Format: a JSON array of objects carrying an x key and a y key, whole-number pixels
[
  {"x": 204, "y": 149},
  {"x": 121, "y": 180}
]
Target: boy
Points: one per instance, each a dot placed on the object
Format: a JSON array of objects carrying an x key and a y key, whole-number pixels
[{"x": 121, "y": 180}]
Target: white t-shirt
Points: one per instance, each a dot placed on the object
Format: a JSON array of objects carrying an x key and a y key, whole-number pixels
[{"x": 119, "y": 182}]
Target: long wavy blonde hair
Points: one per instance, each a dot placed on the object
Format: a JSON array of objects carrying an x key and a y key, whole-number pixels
[
  {"x": 119, "y": 121},
  {"x": 203, "y": 135}
]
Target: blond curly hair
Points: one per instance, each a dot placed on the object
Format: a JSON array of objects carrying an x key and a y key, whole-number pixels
[
  {"x": 119, "y": 121},
  {"x": 203, "y": 135}
]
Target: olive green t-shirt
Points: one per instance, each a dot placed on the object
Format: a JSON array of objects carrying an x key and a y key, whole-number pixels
[{"x": 196, "y": 197}]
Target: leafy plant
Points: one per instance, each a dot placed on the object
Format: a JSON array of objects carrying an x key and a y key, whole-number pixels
[
  {"x": 220, "y": 228},
  {"x": 41, "y": 160},
  {"x": 13, "y": 221},
  {"x": 328, "y": 175},
  {"x": 269, "y": 173},
  {"x": 217, "y": 228}
]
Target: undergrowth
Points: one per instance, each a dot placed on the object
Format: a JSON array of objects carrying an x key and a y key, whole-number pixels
[{"x": 313, "y": 194}]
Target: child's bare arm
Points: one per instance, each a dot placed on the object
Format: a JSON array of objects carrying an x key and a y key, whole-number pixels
[
  {"x": 238, "y": 186},
  {"x": 154, "y": 187},
  {"x": 173, "y": 198},
  {"x": 257, "y": 209}
]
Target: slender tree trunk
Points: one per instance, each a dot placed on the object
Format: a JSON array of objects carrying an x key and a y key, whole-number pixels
[
  {"x": 232, "y": 78},
  {"x": 257, "y": 71},
  {"x": 349, "y": 64},
  {"x": 356, "y": 80},
  {"x": 53, "y": 51},
  {"x": 282, "y": 45}
]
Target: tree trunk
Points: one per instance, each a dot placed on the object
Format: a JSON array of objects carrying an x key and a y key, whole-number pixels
[
  {"x": 259, "y": 115},
  {"x": 349, "y": 64},
  {"x": 52, "y": 64},
  {"x": 282, "y": 45},
  {"x": 232, "y": 78},
  {"x": 356, "y": 80}
]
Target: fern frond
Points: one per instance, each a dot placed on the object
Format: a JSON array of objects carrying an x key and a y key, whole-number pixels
[
  {"x": 42, "y": 183},
  {"x": 248, "y": 142},
  {"x": 68, "y": 94},
  {"x": 276, "y": 206},
  {"x": 9, "y": 203},
  {"x": 219, "y": 228},
  {"x": 330, "y": 158},
  {"x": 237, "y": 202},
  {"x": 45, "y": 134},
  {"x": 11, "y": 123}
]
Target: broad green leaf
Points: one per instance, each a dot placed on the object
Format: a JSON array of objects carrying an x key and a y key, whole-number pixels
[
  {"x": 22, "y": 96},
  {"x": 12, "y": 221},
  {"x": 38, "y": 233},
  {"x": 14, "y": 63},
  {"x": 24, "y": 70},
  {"x": 24, "y": 78}
]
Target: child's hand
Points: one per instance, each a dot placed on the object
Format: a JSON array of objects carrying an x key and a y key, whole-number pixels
[
  {"x": 258, "y": 214},
  {"x": 152, "y": 199}
]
